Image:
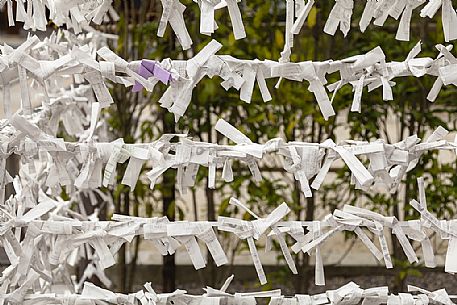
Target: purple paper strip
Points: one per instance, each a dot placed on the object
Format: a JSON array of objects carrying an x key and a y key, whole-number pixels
[
  {"x": 163, "y": 75},
  {"x": 149, "y": 68},
  {"x": 149, "y": 64},
  {"x": 143, "y": 72}
]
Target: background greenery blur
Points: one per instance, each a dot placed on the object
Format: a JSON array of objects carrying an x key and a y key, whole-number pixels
[{"x": 292, "y": 114}]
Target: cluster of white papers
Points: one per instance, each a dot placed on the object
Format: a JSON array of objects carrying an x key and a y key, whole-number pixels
[
  {"x": 63, "y": 60},
  {"x": 369, "y": 70},
  {"x": 349, "y": 294},
  {"x": 47, "y": 62},
  {"x": 65, "y": 236},
  {"x": 90, "y": 165},
  {"x": 76, "y": 15},
  {"x": 376, "y": 12}
]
